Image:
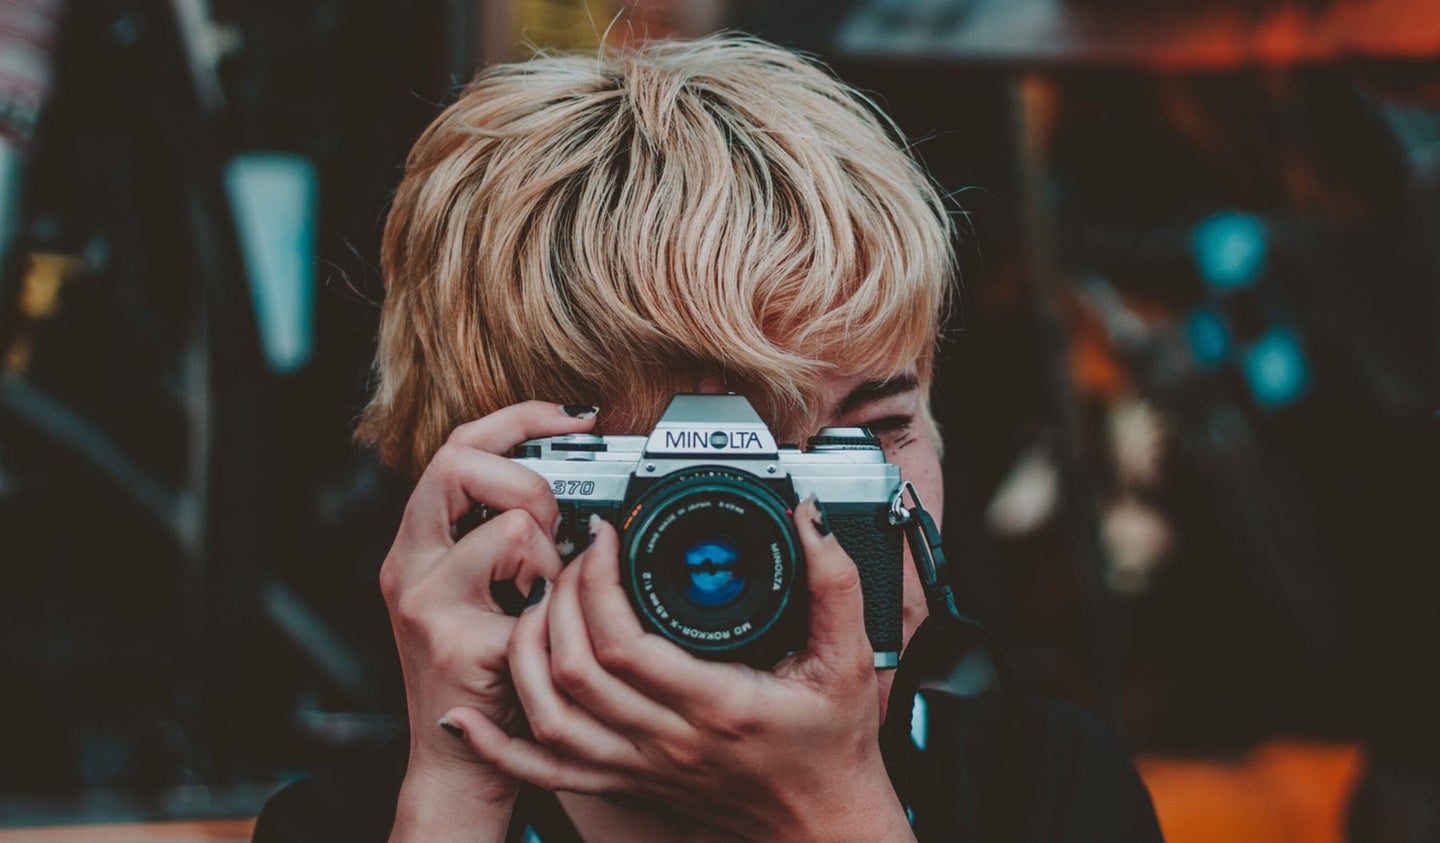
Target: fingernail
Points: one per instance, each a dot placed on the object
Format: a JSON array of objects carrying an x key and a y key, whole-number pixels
[
  {"x": 579, "y": 411},
  {"x": 555, "y": 528},
  {"x": 822, "y": 522},
  {"x": 537, "y": 592},
  {"x": 594, "y": 524},
  {"x": 452, "y": 728}
]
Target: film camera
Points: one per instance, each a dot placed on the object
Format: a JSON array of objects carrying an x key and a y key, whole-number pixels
[{"x": 709, "y": 554}]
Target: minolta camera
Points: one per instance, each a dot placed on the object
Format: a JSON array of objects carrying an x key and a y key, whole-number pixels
[{"x": 708, "y": 550}]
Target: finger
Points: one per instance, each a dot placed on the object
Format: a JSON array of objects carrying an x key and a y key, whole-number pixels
[
  {"x": 580, "y": 677},
  {"x": 837, "y": 605},
  {"x": 645, "y": 661},
  {"x": 468, "y": 470},
  {"x": 455, "y": 479},
  {"x": 510, "y": 546},
  {"x": 459, "y": 477},
  {"x": 554, "y": 720},
  {"x": 531, "y": 762},
  {"x": 500, "y": 431}
]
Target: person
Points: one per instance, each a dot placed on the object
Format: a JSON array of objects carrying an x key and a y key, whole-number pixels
[{"x": 576, "y": 240}]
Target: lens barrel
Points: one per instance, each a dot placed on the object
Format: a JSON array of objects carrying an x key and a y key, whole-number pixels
[{"x": 711, "y": 561}]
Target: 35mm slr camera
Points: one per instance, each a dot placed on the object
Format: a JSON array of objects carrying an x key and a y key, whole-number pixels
[{"x": 708, "y": 550}]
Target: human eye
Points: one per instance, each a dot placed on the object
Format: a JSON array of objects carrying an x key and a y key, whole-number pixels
[
  {"x": 890, "y": 409},
  {"x": 892, "y": 421},
  {"x": 889, "y": 425}
]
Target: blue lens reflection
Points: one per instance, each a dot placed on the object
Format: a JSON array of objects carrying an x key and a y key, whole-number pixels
[{"x": 711, "y": 565}]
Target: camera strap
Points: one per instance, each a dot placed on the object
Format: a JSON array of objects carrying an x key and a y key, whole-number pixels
[{"x": 943, "y": 637}]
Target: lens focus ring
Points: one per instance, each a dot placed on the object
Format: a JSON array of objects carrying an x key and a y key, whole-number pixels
[{"x": 711, "y": 561}]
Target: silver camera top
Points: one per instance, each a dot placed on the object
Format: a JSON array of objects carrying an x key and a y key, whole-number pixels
[
  {"x": 711, "y": 425},
  {"x": 718, "y": 428}
]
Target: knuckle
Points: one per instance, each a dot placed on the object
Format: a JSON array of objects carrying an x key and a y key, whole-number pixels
[
  {"x": 842, "y": 586},
  {"x": 565, "y": 779},
  {"x": 460, "y": 432},
  {"x": 390, "y": 581},
  {"x": 843, "y": 576},
  {"x": 409, "y": 611},
  {"x": 535, "y": 490},
  {"x": 546, "y": 728},
  {"x": 732, "y": 715},
  {"x": 444, "y": 468},
  {"x": 615, "y": 654},
  {"x": 447, "y": 457},
  {"x": 513, "y": 528},
  {"x": 746, "y": 725},
  {"x": 682, "y": 755},
  {"x": 570, "y": 674},
  {"x": 729, "y": 720}
]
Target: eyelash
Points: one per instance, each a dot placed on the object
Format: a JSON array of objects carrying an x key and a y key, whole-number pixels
[{"x": 890, "y": 424}]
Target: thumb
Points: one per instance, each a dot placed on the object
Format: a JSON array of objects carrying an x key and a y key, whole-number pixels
[{"x": 837, "y": 606}]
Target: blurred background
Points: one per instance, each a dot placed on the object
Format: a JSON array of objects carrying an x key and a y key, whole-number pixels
[{"x": 1190, "y": 401}]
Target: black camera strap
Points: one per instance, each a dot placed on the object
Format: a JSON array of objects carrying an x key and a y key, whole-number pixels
[{"x": 943, "y": 637}]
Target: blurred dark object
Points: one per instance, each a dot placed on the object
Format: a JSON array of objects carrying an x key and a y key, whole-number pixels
[
  {"x": 1398, "y": 800},
  {"x": 1155, "y": 35},
  {"x": 190, "y": 541},
  {"x": 1395, "y": 806},
  {"x": 1297, "y": 205},
  {"x": 1207, "y": 513},
  {"x": 89, "y": 426},
  {"x": 29, "y": 33}
]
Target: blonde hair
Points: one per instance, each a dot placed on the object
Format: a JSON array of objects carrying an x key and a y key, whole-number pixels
[{"x": 719, "y": 208}]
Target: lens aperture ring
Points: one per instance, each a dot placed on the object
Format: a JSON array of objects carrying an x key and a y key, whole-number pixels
[{"x": 712, "y": 562}]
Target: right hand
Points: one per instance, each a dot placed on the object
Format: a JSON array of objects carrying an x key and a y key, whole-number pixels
[{"x": 451, "y": 634}]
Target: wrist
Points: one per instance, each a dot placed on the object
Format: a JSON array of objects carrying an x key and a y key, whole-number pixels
[
  {"x": 448, "y": 798},
  {"x": 867, "y": 810}
]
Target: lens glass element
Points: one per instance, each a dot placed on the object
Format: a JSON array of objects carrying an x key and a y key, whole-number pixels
[{"x": 714, "y": 574}]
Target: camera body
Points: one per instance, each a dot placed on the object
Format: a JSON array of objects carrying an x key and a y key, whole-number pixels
[{"x": 709, "y": 555}]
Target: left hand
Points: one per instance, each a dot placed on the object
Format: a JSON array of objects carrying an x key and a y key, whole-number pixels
[{"x": 789, "y": 754}]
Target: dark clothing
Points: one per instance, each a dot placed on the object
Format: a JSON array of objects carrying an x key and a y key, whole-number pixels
[
  {"x": 1079, "y": 782},
  {"x": 1081, "y": 786}
]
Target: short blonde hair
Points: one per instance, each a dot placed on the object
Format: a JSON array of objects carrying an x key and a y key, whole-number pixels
[{"x": 719, "y": 208}]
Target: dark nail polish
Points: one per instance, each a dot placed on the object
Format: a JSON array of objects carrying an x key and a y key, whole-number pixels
[
  {"x": 822, "y": 522},
  {"x": 537, "y": 592},
  {"x": 580, "y": 411},
  {"x": 452, "y": 728}
]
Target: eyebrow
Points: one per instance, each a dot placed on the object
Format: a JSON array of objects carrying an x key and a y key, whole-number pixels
[{"x": 872, "y": 391}]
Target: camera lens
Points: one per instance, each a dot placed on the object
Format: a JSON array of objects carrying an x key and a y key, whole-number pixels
[
  {"x": 715, "y": 575},
  {"x": 711, "y": 561}
]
